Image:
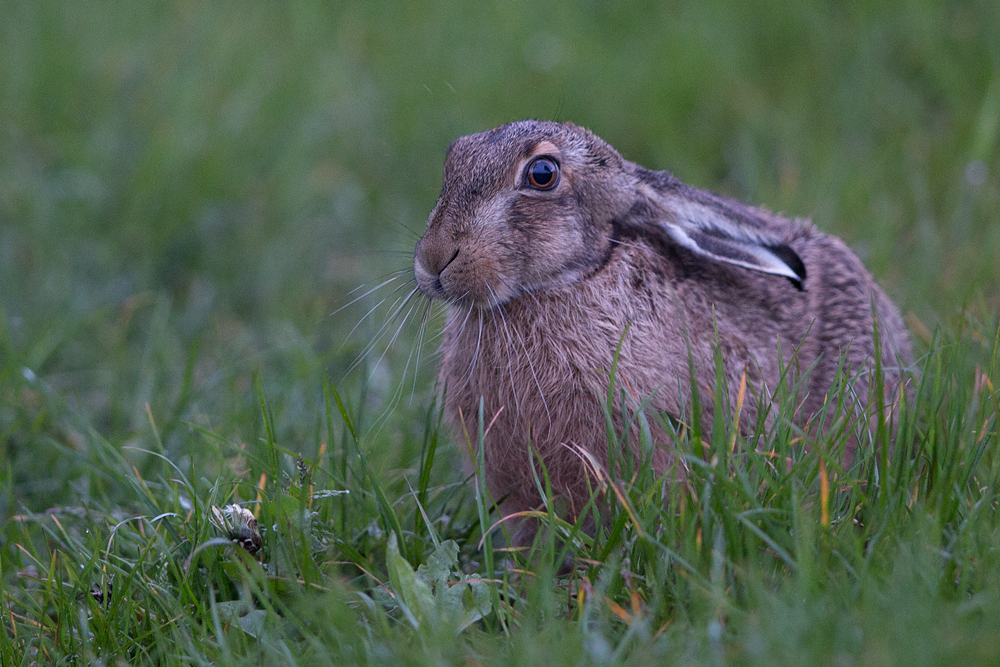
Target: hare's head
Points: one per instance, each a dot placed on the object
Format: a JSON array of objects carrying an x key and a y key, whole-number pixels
[{"x": 526, "y": 206}]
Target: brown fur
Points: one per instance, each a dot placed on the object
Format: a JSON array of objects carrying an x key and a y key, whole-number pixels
[{"x": 542, "y": 286}]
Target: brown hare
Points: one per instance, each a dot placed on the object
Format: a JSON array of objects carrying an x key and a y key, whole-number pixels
[{"x": 551, "y": 249}]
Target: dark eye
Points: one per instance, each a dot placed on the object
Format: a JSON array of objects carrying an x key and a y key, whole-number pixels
[{"x": 543, "y": 174}]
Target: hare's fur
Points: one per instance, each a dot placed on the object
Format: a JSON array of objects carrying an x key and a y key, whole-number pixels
[{"x": 543, "y": 287}]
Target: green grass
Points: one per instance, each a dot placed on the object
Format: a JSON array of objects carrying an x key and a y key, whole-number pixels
[{"x": 188, "y": 191}]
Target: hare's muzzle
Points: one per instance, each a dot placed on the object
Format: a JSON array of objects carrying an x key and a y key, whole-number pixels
[
  {"x": 427, "y": 268},
  {"x": 469, "y": 275}
]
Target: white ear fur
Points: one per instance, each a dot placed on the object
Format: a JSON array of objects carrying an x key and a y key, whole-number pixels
[{"x": 711, "y": 234}]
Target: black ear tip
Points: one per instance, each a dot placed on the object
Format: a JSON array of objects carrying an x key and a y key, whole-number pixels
[{"x": 792, "y": 261}]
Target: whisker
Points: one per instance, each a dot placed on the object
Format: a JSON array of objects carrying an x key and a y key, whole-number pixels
[
  {"x": 437, "y": 335},
  {"x": 461, "y": 330},
  {"x": 479, "y": 338},
  {"x": 393, "y": 274},
  {"x": 397, "y": 393},
  {"x": 402, "y": 224},
  {"x": 378, "y": 336},
  {"x": 434, "y": 311},
  {"x": 393, "y": 340},
  {"x": 531, "y": 366},
  {"x": 394, "y": 399},
  {"x": 420, "y": 342},
  {"x": 377, "y": 287},
  {"x": 373, "y": 309},
  {"x": 403, "y": 286},
  {"x": 402, "y": 252},
  {"x": 475, "y": 355},
  {"x": 510, "y": 357}
]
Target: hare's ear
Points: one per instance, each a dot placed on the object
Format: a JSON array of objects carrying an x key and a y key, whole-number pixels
[
  {"x": 731, "y": 237},
  {"x": 751, "y": 253}
]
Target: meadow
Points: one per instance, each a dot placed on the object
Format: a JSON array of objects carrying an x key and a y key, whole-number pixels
[{"x": 205, "y": 209}]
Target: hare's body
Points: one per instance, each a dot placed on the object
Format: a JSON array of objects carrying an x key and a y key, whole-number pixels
[{"x": 544, "y": 287}]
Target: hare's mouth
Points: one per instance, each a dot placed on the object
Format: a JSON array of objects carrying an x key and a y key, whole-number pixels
[
  {"x": 428, "y": 282},
  {"x": 485, "y": 299},
  {"x": 466, "y": 281}
]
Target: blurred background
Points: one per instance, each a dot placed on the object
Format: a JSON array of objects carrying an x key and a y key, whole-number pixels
[{"x": 189, "y": 191}]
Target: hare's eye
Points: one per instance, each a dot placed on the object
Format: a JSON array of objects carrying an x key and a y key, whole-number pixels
[{"x": 543, "y": 174}]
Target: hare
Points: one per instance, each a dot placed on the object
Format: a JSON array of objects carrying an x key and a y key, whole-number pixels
[{"x": 551, "y": 250}]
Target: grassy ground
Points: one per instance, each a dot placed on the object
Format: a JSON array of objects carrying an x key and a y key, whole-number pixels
[{"x": 188, "y": 191}]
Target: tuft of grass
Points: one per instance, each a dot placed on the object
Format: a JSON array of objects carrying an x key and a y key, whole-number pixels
[{"x": 766, "y": 550}]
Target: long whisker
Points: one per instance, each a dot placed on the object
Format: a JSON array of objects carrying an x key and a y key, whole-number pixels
[
  {"x": 412, "y": 231},
  {"x": 420, "y": 342},
  {"x": 378, "y": 336},
  {"x": 403, "y": 252},
  {"x": 531, "y": 366},
  {"x": 475, "y": 355},
  {"x": 435, "y": 311},
  {"x": 377, "y": 287},
  {"x": 461, "y": 330},
  {"x": 402, "y": 301},
  {"x": 395, "y": 336},
  {"x": 394, "y": 399},
  {"x": 397, "y": 393},
  {"x": 510, "y": 357},
  {"x": 439, "y": 334},
  {"x": 373, "y": 309}
]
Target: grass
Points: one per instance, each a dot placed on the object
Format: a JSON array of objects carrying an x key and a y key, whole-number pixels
[{"x": 187, "y": 192}]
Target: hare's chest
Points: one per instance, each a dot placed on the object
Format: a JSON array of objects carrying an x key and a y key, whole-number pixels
[
  {"x": 512, "y": 356},
  {"x": 543, "y": 364}
]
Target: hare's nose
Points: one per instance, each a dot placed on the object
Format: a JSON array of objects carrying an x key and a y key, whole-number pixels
[
  {"x": 437, "y": 259},
  {"x": 431, "y": 259}
]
